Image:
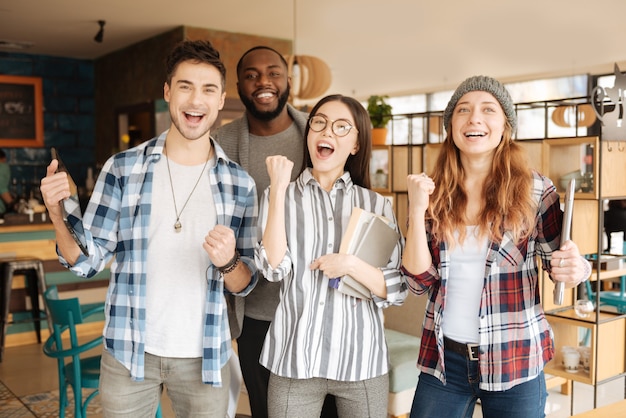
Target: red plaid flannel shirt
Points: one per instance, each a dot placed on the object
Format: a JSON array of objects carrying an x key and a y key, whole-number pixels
[{"x": 515, "y": 337}]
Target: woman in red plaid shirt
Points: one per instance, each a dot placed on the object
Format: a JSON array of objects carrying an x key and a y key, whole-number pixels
[{"x": 476, "y": 228}]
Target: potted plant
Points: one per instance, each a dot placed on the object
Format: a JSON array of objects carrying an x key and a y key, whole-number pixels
[{"x": 380, "y": 115}]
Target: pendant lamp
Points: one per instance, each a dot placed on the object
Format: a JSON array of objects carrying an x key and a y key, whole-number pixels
[{"x": 310, "y": 76}]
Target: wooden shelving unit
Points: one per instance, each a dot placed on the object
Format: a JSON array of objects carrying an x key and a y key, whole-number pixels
[
  {"x": 609, "y": 330},
  {"x": 604, "y": 332}
]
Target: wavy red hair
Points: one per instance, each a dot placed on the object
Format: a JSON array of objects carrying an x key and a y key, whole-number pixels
[{"x": 507, "y": 203}]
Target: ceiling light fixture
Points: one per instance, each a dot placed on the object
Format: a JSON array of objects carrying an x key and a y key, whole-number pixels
[
  {"x": 310, "y": 76},
  {"x": 100, "y": 35}
]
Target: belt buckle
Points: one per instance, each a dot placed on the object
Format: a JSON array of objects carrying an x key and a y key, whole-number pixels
[{"x": 470, "y": 352}]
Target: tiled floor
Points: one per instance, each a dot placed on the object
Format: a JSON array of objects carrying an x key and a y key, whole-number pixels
[{"x": 25, "y": 371}]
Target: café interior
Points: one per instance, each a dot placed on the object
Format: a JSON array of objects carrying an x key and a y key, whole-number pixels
[{"x": 97, "y": 84}]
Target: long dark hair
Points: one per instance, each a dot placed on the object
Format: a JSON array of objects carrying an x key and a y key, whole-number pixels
[{"x": 358, "y": 165}]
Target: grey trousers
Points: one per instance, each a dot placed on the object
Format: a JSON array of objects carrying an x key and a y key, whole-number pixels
[
  {"x": 124, "y": 398},
  {"x": 303, "y": 398}
]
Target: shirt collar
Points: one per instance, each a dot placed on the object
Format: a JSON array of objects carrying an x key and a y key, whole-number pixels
[
  {"x": 306, "y": 179},
  {"x": 160, "y": 145}
]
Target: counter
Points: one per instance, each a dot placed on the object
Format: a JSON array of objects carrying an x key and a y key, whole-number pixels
[
  {"x": 26, "y": 227},
  {"x": 38, "y": 241},
  {"x": 28, "y": 240}
]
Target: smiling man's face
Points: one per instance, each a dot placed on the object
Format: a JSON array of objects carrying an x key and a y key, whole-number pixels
[
  {"x": 195, "y": 97},
  {"x": 263, "y": 84}
]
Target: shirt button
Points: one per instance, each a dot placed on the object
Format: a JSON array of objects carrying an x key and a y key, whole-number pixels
[
  {"x": 321, "y": 303},
  {"x": 330, "y": 245},
  {"x": 330, "y": 218}
]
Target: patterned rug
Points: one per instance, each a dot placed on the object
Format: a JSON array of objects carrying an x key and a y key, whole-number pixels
[{"x": 41, "y": 405}]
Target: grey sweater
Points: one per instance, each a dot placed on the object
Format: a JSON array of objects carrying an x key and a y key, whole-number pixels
[{"x": 235, "y": 139}]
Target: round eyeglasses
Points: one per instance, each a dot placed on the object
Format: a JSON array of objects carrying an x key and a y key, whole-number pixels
[{"x": 340, "y": 127}]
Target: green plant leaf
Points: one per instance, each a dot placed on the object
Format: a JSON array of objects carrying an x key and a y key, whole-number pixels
[{"x": 379, "y": 111}]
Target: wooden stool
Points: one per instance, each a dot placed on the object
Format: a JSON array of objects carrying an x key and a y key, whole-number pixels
[{"x": 35, "y": 284}]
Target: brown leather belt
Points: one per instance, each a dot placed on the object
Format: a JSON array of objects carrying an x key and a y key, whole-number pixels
[{"x": 469, "y": 351}]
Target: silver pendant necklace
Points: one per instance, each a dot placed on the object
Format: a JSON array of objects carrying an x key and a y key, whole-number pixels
[{"x": 177, "y": 225}]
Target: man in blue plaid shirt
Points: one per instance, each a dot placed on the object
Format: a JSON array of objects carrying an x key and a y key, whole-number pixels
[{"x": 177, "y": 219}]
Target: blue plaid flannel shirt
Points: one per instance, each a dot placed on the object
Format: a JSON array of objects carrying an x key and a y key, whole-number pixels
[{"x": 116, "y": 227}]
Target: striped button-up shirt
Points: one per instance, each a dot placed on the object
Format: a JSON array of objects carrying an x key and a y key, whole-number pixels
[
  {"x": 319, "y": 331},
  {"x": 116, "y": 227},
  {"x": 514, "y": 336}
]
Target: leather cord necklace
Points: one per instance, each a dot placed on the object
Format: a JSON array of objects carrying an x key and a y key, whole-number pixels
[{"x": 177, "y": 225}]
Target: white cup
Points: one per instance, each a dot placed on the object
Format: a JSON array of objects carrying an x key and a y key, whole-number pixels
[
  {"x": 585, "y": 355},
  {"x": 568, "y": 348},
  {"x": 571, "y": 360},
  {"x": 583, "y": 308}
]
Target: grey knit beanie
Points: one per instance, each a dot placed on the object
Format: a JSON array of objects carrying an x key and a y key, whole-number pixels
[{"x": 482, "y": 83}]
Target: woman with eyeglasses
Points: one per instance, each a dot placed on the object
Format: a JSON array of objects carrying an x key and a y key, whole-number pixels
[{"x": 321, "y": 340}]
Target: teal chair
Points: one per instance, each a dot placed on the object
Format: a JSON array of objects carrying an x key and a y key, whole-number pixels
[
  {"x": 77, "y": 371},
  {"x": 74, "y": 370},
  {"x": 614, "y": 298}
]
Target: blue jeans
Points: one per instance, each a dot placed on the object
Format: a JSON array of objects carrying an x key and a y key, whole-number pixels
[
  {"x": 458, "y": 397},
  {"x": 123, "y": 397}
]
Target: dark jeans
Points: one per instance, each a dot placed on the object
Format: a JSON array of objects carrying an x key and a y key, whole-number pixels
[
  {"x": 458, "y": 397},
  {"x": 255, "y": 376}
]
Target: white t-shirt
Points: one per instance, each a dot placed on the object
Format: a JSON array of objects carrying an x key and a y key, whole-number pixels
[
  {"x": 464, "y": 288},
  {"x": 176, "y": 280}
]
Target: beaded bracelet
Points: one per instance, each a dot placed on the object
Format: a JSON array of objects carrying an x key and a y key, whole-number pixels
[{"x": 231, "y": 265}]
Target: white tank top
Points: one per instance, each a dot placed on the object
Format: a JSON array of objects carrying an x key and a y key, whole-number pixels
[
  {"x": 177, "y": 263},
  {"x": 464, "y": 288}
]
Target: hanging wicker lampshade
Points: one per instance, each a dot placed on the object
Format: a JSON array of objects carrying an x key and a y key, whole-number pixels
[
  {"x": 565, "y": 116},
  {"x": 312, "y": 77}
]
